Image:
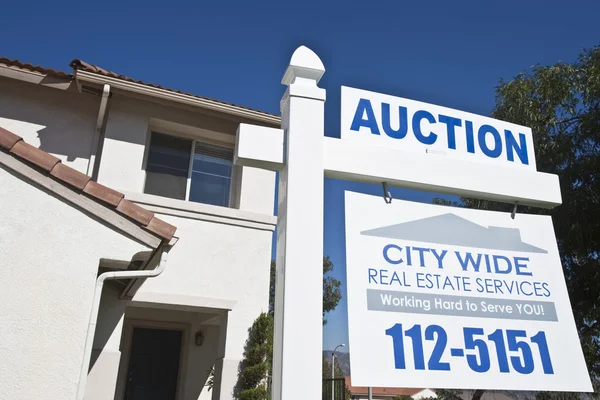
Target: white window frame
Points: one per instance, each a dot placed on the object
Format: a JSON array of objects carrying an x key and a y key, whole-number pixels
[{"x": 198, "y": 135}]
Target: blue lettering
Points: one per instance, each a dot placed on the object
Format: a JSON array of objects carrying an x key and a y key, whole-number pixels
[
  {"x": 469, "y": 133},
  {"x": 511, "y": 147},
  {"x": 421, "y": 250},
  {"x": 497, "y": 149},
  {"x": 524, "y": 292},
  {"x": 386, "y": 250},
  {"x": 497, "y": 266},
  {"x": 402, "y": 122},
  {"x": 395, "y": 278},
  {"x": 372, "y": 275},
  {"x": 487, "y": 263},
  {"x": 420, "y": 277},
  {"x": 364, "y": 105},
  {"x": 464, "y": 263},
  {"x": 382, "y": 276},
  {"x": 416, "y": 125},
  {"x": 479, "y": 285},
  {"x": 498, "y": 285},
  {"x": 451, "y": 123},
  {"x": 537, "y": 288},
  {"x": 439, "y": 257},
  {"x": 430, "y": 285},
  {"x": 513, "y": 286},
  {"x": 518, "y": 266},
  {"x": 546, "y": 290},
  {"x": 466, "y": 282},
  {"x": 447, "y": 282}
]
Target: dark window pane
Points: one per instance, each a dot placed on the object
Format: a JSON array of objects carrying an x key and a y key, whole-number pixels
[
  {"x": 210, "y": 189},
  {"x": 211, "y": 174},
  {"x": 167, "y": 167},
  {"x": 212, "y": 165}
]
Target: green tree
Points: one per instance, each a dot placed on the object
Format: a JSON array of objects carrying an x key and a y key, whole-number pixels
[
  {"x": 258, "y": 354},
  {"x": 257, "y": 362},
  {"x": 557, "y": 396},
  {"x": 331, "y": 289},
  {"x": 561, "y": 104}
]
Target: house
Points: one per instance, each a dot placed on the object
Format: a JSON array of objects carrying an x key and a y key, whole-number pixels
[
  {"x": 135, "y": 255},
  {"x": 362, "y": 392},
  {"x": 450, "y": 229}
]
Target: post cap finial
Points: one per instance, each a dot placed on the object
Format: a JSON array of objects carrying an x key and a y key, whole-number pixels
[{"x": 304, "y": 64}]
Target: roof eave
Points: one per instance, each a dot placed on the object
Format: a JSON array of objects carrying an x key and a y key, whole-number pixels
[
  {"x": 90, "y": 77},
  {"x": 56, "y": 82}
]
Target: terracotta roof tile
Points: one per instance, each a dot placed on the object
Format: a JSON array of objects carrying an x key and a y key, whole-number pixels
[
  {"x": 135, "y": 212},
  {"x": 34, "y": 155},
  {"x": 80, "y": 65},
  {"x": 103, "y": 193},
  {"x": 380, "y": 391},
  {"x": 34, "y": 68},
  {"x": 15, "y": 145},
  {"x": 8, "y": 139},
  {"x": 70, "y": 176},
  {"x": 161, "y": 228}
]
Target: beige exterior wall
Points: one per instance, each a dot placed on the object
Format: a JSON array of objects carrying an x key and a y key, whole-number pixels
[
  {"x": 220, "y": 263},
  {"x": 57, "y": 121},
  {"x": 49, "y": 253},
  {"x": 128, "y": 128}
]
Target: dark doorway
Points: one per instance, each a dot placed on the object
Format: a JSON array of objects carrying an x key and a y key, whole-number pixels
[{"x": 153, "y": 364}]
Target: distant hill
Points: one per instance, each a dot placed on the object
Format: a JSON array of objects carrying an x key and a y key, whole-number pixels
[{"x": 341, "y": 359}]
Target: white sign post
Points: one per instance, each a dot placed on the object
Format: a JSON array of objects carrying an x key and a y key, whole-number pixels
[
  {"x": 384, "y": 139},
  {"x": 443, "y": 297}
]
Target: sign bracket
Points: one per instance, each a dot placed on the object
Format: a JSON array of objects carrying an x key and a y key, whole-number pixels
[{"x": 387, "y": 196}]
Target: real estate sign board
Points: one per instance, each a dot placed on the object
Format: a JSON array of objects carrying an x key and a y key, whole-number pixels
[
  {"x": 445, "y": 297},
  {"x": 409, "y": 125}
]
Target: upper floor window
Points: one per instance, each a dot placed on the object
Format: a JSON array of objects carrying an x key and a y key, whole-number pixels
[{"x": 188, "y": 170}]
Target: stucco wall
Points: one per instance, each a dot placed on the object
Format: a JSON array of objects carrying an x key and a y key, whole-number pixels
[
  {"x": 106, "y": 354},
  {"x": 49, "y": 253},
  {"x": 219, "y": 261},
  {"x": 57, "y": 121},
  {"x": 120, "y": 316},
  {"x": 127, "y": 134}
]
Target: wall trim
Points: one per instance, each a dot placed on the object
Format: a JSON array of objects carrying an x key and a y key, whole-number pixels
[
  {"x": 205, "y": 212},
  {"x": 81, "y": 201},
  {"x": 37, "y": 78},
  {"x": 180, "y": 302}
]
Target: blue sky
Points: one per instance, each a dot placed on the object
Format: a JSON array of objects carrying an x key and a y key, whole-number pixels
[{"x": 448, "y": 53}]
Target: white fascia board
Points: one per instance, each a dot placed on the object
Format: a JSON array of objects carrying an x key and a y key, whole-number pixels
[
  {"x": 36, "y": 78},
  {"x": 349, "y": 160},
  {"x": 177, "y": 97}
]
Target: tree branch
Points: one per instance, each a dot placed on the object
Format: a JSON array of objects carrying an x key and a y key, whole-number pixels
[{"x": 477, "y": 394}]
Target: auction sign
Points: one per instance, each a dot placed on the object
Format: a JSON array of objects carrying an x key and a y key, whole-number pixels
[{"x": 445, "y": 297}]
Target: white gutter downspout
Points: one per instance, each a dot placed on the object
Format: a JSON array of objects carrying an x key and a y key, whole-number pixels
[
  {"x": 97, "y": 141},
  {"x": 89, "y": 340}
]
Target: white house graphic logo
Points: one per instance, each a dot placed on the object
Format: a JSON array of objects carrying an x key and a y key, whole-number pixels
[{"x": 450, "y": 229}]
